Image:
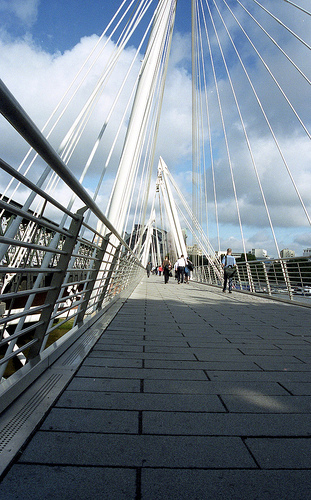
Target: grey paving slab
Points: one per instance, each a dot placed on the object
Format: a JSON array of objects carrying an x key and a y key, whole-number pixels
[
  {"x": 140, "y": 401},
  {"x": 213, "y": 387},
  {"x": 255, "y": 402},
  {"x": 99, "y": 421},
  {"x": 262, "y": 358},
  {"x": 286, "y": 365},
  {"x": 137, "y": 451},
  {"x": 195, "y": 364},
  {"x": 298, "y": 388},
  {"x": 104, "y": 385},
  {"x": 120, "y": 347},
  {"x": 232, "y": 366},
  {"x": 42, "y": 482},
  {"x": 280, "y": 376},
  {"x": 281, "y": 453},
  {"x": 93, "y": 371},
  {"x": 225, "y": 485},
  {"x": 156, "y": 342},
  {"x": 113, "y": 362},
  {"x": 185, "y": 355},
  {"x": 226, "y": 424}
]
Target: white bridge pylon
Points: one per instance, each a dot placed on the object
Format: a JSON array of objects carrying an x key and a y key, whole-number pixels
[
  {"x": 163, "y": 186},
  {"x": 124, "y": 183}
]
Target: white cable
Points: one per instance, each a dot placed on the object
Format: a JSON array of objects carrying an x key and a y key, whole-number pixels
[
  {"x": 268, "y": 122},
  {"x": 244, "y": 128},
  {"x": 276, "y": 44},
  {"x": 283, "y": 25},
  {"x": 224, "y": 129},
  {"x": 298, "y": 7},
  {"x": 66, "y": 93}
]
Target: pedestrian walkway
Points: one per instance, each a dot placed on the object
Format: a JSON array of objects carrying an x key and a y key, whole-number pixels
[{"x": 188, "y": 394}]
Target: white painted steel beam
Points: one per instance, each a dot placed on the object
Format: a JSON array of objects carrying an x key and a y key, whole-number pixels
[{"x": 124, "y": 183}]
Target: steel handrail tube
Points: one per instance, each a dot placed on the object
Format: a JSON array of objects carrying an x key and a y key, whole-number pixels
[
  {"x": 35, "y": 270},
  {"x": 23, "y": 293},
  {"x": 26, "y": 215},
  {"x": 28, "y": 312},
  {"x": 16, "y": 335},
  {"x": 26, "y": 182},
  {"x": 19, "y": 119},
  {"x": 32, "y": 246},
  {"x": 18, "y": 351}
]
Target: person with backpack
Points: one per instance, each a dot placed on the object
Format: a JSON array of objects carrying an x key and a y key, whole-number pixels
[
  {"x": 167, "y": 266},
  {"x": 188, "y": 269},
  {"x": 229, "y": 265}
]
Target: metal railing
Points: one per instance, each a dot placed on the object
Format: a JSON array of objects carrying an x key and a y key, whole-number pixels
[
  {"x": 282, "y": 278},
  {"x": 55, "y": 277}
]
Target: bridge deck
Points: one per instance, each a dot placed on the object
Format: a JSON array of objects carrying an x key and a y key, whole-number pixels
[{"x": 189, "y": 393}]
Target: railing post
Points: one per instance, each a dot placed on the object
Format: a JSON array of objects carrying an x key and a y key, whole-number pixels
[
  {"x": 286, "y": 278},
  {"x": 266, "y": 278},
  {"x": 250, "y": 277},
  {"x": 55, "y": 286},
  {"x": 108, "y": 277},
  {"x": 239, "y": 277},
  {"x": 92, "y": 278}
]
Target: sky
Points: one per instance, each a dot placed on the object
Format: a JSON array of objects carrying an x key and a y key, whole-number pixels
[{"x": 44, "y": 42}]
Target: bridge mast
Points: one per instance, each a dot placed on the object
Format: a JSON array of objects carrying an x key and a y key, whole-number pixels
[{"x": 142, "y": 106}]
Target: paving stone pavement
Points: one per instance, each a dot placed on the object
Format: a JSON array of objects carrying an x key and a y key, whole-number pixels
[{"x": 189, "y": 394}]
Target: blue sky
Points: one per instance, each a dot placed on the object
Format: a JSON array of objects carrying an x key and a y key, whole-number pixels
[
  {"x": 41, "y": 50},
  {"x": 58, "y": 25}
]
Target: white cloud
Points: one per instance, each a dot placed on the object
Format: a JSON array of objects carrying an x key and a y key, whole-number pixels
[
  {"x": 39, "y": 79},
  {"x": 25, "y": 11}
]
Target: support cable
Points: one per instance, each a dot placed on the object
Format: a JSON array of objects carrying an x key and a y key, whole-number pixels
[
  {"x": 276, "y": 44},
  {"x": 267, "y": 120},
  {"x": 298, "y": 7},
  {"x": 283, "y": 25},
  {"x": 224, "y": 129},
  {"x": 244, "y": 129},
  {"x": 67, "y": 92}
]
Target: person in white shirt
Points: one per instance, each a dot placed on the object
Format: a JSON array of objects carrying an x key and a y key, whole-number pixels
[
  {"x": 228, "y": 262},
  {"x": 181, "y": 264}
]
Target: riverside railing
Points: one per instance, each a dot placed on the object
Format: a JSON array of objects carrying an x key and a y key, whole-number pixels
[
  {"x": 58, "y": 275},
  {"x": 287, "y": 278}
]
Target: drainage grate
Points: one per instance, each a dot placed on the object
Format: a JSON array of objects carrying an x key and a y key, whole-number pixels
[{"x": 23, "y": 415}]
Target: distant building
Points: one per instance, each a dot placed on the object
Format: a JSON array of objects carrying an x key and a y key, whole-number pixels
[
  {"x": 259, "y": 253},
  {"x": 307, "y": 252},
  {"x": 287, "y": 254}
]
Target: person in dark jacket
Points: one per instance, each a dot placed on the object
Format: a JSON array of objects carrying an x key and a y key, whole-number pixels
[
  {"x": 228, "y": 263},
  {"x": 167, "y": 266},
  {"x": 148, "y": 268}
]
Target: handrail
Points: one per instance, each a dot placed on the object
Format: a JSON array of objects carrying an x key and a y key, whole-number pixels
[
  {"x": 56, "y": 277},
  {"x": 18, "y": 118},
  {"x": 272, "y": 277}
]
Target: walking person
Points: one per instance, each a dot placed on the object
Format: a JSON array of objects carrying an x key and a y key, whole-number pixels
[
  {"x": 176, "y": 270},
  {"x": 188, "y": 269},
  {"x": 167, "y": 266},
  {"x": 229, "y": 265},
  {"x": 148, "y": 268},
  {"x": 181, "y": 264}
]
